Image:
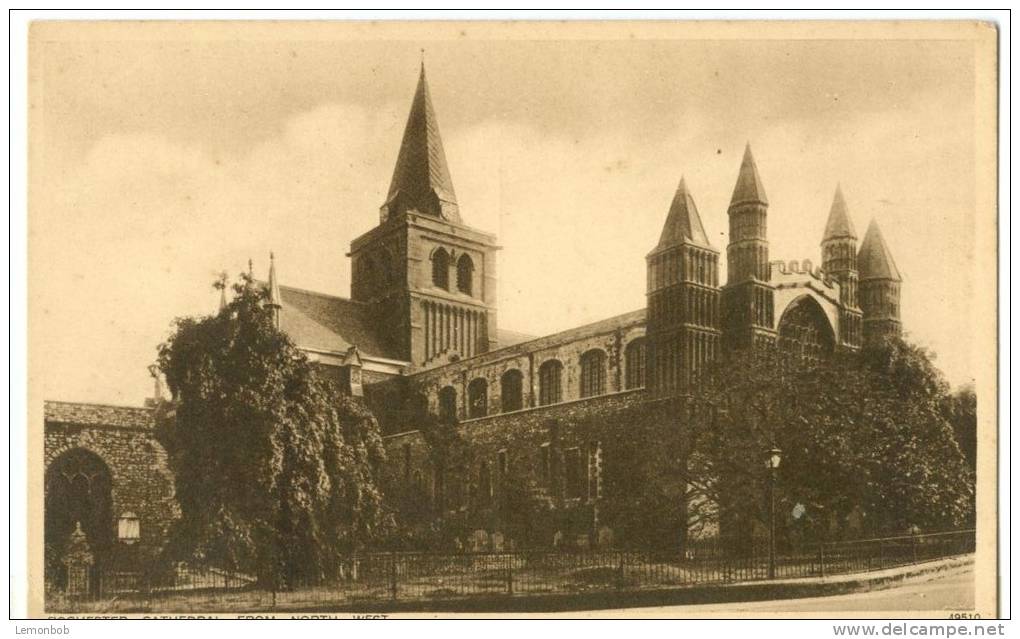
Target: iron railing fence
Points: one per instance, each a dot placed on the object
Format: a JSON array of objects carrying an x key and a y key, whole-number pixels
[{"x": 380, "y": 577}]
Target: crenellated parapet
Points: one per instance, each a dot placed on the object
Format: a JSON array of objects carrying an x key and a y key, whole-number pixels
[
  {"x": 784, "y": 272},
  {"x": 802, "y": 267},
  {"x": 793, "y": 280}
]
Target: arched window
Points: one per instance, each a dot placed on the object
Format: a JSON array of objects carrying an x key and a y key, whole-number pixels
[
  {"x": 441, "y": 269},
  {"x": 78, "y": 492},
  {"x": 465, "y": 274},
  {"x": 634, "y": 358},
  {"x": 550, "y": 374},
  {"x": 510, "y": 390},
  {"x": 804, "y": 331},
  {"x": 593, "y": 373},
  {"x": 448, "y": 403},
  {"x": 478, "y": 398}
]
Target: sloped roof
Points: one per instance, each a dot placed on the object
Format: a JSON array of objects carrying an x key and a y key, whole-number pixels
[
  {"x": 509, "y": 338},
  {"x": 839, "y": 224},
  {"x": 683, "y": 224},
  {"x": 422, "y": 175},
  {"x": 749, "y": 187},
  {"x": 326, "y": 322},
  {"x": 97, "y": 414},
  {"x": 874, "y": 260}
]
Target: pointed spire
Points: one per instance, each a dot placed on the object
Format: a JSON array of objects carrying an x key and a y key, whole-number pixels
[
  {"x": 839, "y": 224},
  {"x": 421, "y": 179},
  {"x": 223, "y": 290},
  {"x": 683, "y": 224},
  {"x": 274, "y": 286},
  {"x": 749, "y": 188},
  {"x": 874, "y": 260}
]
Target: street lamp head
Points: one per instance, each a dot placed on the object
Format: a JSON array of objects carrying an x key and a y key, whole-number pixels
[{"x": 772, "y": 458}]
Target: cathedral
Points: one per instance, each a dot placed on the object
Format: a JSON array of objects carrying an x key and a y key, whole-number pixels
[
  {"x": 420, "y": 335},
  {"x": 423, "y": 309},
  {"x": 422, "y": 304},
  {"x": 421, "y": 325}
]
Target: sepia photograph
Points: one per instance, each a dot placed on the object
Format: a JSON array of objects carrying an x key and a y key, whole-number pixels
[{"x": 654, "y": 319}]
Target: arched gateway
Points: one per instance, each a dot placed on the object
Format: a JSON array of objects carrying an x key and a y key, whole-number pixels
[{"x": 79, "y": 494}]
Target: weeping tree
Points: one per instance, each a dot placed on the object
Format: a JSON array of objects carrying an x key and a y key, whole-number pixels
[{"x": 275, "y": 470}]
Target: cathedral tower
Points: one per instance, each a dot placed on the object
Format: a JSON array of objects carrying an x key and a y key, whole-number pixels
[
  {"x": 839, "y": 261},
  {"x": 880, "y": 287},
  {"x": 747, "y": 298},
  {"x": 683, "y": 299},
  {"x": 429, "y": 278}
]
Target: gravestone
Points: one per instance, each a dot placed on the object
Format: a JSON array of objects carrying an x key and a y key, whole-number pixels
[
  {"x": 479, "y": 541},
  {"x": 558, "y": 539},
  {"x": 605, "y": 537},
  {"x": 78, "y": 559}
]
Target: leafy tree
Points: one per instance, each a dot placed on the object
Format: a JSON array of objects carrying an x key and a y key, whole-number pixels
[
  {"x": 275, "y": 470},
  {"x": 960, "y": 409},
  {"x": 419, "y": 525},
  {"x": 460, "y": 505},
  {"x": 646, "y": 496},
  {"x": 907, "y": 370},
  {"x": 866, "y": 449},
  {"x": 861, "y": 435}
]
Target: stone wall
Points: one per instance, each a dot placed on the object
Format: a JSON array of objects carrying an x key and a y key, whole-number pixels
[
  {"x": 142, "y": 483},
  {"x": 611, "y": 336},
  {"x": 535, "y": 446}
]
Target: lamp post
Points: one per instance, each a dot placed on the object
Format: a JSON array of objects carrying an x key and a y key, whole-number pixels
[{"x": 772, "y": 458}]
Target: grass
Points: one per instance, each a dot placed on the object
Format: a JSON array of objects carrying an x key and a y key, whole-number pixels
[{"x": 432, "y": 578}]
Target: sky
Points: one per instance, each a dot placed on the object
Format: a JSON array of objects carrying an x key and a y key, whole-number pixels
[{"x": 161, "y": 157}]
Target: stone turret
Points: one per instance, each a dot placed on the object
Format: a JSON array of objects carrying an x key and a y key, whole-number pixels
[
  {"x": 747, "y": 298},
  {"x": 839, "y": 261},
  {"x": 683, "y": 299},
  {"x": 880, "y": 287}
]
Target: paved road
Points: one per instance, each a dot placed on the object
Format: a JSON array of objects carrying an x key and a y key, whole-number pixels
[{"x": 949, "y": 591}]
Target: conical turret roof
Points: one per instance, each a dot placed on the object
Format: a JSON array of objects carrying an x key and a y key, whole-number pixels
[
  {"x": 421, "y": 178},
  {"x": 275, "y": 300},
  {"x": 749, "y": 187},
  {"x": 874, "y": 259},
  {"x": 683, "y": 224},
  {"x": 839, "y": 224}
]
